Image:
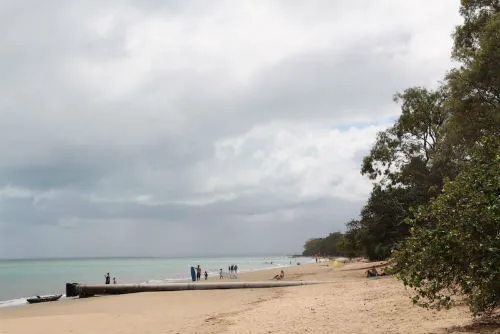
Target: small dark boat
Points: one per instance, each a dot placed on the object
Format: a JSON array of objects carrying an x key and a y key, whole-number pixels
[{"x": 43, "y": 299}]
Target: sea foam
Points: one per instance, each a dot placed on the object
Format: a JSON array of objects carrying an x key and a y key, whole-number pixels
[
  {"x": 23, "y": 301},
  {"x": 13, "y": 302}
]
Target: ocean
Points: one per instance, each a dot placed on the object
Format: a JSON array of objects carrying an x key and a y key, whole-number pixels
[{"x": 20, "y": 279}]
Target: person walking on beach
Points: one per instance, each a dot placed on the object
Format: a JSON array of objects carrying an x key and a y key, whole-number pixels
[
  {"x": 235, "y": 269},
  {"x": 220, "y": 274},
  {"x": 198, "y": 273},
  {"x": 108, "y": 278},
  {"x": 206, "y": 275}
]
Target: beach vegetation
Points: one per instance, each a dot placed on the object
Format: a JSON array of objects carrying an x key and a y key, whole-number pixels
[
  {"x": 328, "y": 246},
  {"x": 454, "y": 243},
  {"x": 454, "y": 246},
  {"x": 434, "y": 206}
]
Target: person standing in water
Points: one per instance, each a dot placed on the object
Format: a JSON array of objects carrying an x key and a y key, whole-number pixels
[
  {"x": 198, "y": 273},
  {"x": 108, "y": 278}
]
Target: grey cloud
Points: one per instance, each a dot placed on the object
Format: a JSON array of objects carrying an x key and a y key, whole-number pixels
[
  {"x": 337, "y": 86},
  {"x": 165, "y": 237},
  {"x": 64, "y": 135}
]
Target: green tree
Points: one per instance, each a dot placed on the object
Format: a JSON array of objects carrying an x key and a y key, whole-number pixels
[
  {"x": 404, "y": 154},
  {"x": 436, "y": 170},
  {"x": 406, "y": 168},
  {"x": 467, "y": 38},
  {"x": 382, "y": 222},
  {"x": 330, "y": 244},
  {"x": 312, "y": 246},
  {"x": 474, "y": 87},
  {"x": 327, "y": 246},
  {"x": 454, "y": 247},
  {"x": 350, "y": 244},
  {"x": 436, "y": 131}
]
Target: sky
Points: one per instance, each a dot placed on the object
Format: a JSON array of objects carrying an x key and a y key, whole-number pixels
[{"x": 190, "y": 128}]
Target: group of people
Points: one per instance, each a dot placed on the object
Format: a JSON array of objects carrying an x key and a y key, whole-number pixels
[
  {"x": 198, "y": 273},
  {"x": 232, "y": 271},
  {"x": 107, "y": 279}
]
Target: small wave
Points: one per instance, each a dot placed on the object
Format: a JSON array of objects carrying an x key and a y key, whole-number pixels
[
  {"x": 176, "y": 280},
  {"x": 24, "y": 301},
  {"x": 13, "y": 302},
  {"x": 154, "y": 281},
  {"x": 166, "y": 280},
  {"x": 215, "y": 273}
]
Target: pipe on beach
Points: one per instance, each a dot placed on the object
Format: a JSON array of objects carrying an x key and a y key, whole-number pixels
[{"x": 88, "y": 290}]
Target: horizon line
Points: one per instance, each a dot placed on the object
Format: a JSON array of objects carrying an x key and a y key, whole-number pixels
[{"x": 146, "y": 257}]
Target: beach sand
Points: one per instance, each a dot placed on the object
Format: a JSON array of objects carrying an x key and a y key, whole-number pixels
[{"x": 350, "y": 304}]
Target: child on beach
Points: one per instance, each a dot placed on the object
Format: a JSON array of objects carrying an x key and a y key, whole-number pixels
[
  {"x": 114, "y": 280},
  {"x": 220, "y": 274},
  {"x": 206, "y": 275}
]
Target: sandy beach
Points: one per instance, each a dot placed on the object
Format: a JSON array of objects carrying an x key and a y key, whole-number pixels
[{"x": 350, "y": 304}]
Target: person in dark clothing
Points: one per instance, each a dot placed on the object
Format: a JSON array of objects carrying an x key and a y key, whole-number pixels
[
  {"x": 235, "y": 269},
  {"x": 206, "y": 275},
  {"x": 108, "y": 278},
  {"x": 372, "y": 273}
]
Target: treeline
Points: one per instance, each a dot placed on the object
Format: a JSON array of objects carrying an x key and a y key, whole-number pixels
[
  {"x": 328, "y": 246},
  {"x": 434, "y": 209}
]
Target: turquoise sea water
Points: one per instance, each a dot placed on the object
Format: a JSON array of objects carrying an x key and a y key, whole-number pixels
[{"x": 24, "y": 278}]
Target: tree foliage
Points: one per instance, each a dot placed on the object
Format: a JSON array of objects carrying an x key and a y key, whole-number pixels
[
  {"x": 403, "y": 154},
  {"x": 312, "y": 247},
  {"x": 454, "y": 247},
  {"x": 328, "y": 246},
  {"x": 475, "y": 87},
  {"x": 406, "y": 168},
  {"x": 467, "y": 38},
  {"x": 434, "y": 205},
  {"x": 350, "y": 245}
]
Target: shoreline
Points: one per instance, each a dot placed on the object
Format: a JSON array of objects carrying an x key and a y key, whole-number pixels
[
  {"x": 351, "y": 303},
  {"x": 22, "y": 301}
]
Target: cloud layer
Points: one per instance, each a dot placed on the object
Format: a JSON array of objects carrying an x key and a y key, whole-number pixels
[{"x": 194, "y": 128}]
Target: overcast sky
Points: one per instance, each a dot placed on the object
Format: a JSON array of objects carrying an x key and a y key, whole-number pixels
[{"x": 170, "y": 128}]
